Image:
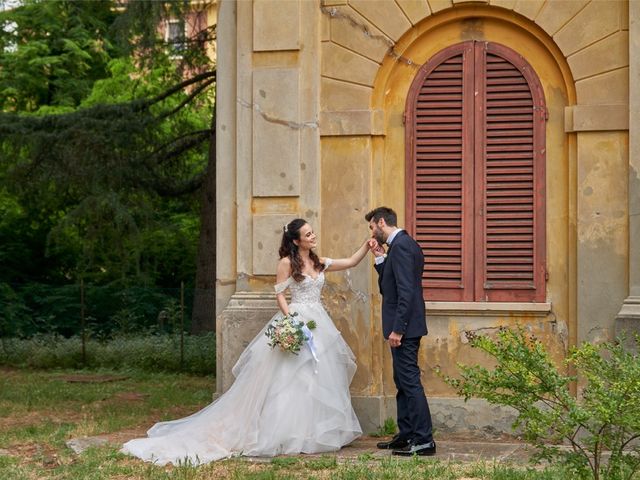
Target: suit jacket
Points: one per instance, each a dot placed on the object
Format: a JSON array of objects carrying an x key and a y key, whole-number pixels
[{"x": 400, "y": 282}]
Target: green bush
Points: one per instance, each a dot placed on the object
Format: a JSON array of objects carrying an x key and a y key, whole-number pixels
[
  {"x": 149, "y": 353},
  {"x": 601, "y": 426}
]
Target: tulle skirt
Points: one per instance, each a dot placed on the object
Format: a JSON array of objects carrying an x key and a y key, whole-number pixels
[{"x": 280, "y": 403}]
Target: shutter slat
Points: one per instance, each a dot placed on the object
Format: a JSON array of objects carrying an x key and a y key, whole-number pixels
[
  {"x": 420, "y": 127},
  {"x": 507, "y": 140},
  {"x": 441, "y": 90},
  {"x": 519, "y": 128},
  {"x": 498, "y": 116},
  {"x": 450, "y": 73},
  {"x": 496, "y": 146},
  {"x": 497, "y": 215},
  {"x": 433, "y": 148},
  {"x": 431, "y": 275},
  {"x": 436, "y": 214},
  {"x": 442, "y": 266},
  {"x": 430, "y": 103},
  {"x": 498, "y": 246},
  {"x": 507, "y": 80},
  {"x": 509, "y": 253},
  {"x": 437, "y": 112},
  {"x": 507, "y": 71},
  {"x": 426, "y": 156},
  {"x": 441, "y": 259},
  {"x": 494, "y": 132},
  {"x": 508, "y": 156},
  {"x": 433, "y": 97},
  {"x": 509, "y": 163},
  {"x": 511, "y": 260},
  {"x": 507, "y": 95},
  {"x": 510, "y": 102},
  {"x": 438, "y": 171}
]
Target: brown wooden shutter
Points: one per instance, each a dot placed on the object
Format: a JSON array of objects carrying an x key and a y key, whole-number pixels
[
  {"x": 509, "y": 172},
  {"x": 441, "y": 166},
  {"x": 475, "y": 174}
]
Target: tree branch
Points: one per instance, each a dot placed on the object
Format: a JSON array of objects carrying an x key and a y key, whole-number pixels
[
  {"x": 166, "y": 189},
  {"x": 183, "y": 147},
  {"x": 180, "y": 86},
  {"x": 190, "y": 97},
  {"x": 173, "y": 141}
]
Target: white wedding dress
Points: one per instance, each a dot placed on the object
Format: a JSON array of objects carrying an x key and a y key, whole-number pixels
[{"x": 280, "y": 403}]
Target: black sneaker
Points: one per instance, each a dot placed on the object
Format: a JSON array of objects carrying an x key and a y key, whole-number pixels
[
  {"x": 395, "y": 442},
  {"x": 425, "y": 449}
]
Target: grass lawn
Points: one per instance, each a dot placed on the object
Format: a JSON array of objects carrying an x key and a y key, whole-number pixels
[{"x": 41, "y": 410}]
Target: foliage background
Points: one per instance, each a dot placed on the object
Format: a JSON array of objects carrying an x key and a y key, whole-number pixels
[{"x": 105, "y": 135}]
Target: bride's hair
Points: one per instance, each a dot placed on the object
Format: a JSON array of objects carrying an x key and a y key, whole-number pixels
[{"x": 288, "y": 248}]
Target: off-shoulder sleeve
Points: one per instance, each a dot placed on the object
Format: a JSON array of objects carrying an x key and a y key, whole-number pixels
[
  {"x": 327, "y": 262},
  {"x": 282, "y": 286}
]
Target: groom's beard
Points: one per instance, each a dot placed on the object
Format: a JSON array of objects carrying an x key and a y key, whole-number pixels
[{"x": 378, "y": 235}]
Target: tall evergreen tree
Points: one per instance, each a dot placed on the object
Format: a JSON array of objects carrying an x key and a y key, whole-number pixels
[
  {"x": 106, "y": 127},
  {"x": 52, "y": 52}
]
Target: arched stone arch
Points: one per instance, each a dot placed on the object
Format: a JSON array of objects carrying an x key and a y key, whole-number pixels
[{"x": 592, "y": 38}]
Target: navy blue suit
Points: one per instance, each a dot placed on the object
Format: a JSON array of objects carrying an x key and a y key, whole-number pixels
[{"x": 403, "y": 312}]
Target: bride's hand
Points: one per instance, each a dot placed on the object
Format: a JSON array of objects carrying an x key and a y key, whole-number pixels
[{"x": 376, "y": 248}]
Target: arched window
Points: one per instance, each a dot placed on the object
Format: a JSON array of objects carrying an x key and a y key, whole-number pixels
[{"x": 475, "y": 146}]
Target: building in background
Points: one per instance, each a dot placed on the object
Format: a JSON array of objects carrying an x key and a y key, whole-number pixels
[{"x": 505, "y": 133}]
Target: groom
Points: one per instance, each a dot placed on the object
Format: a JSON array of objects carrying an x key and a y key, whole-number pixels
[{"x": 403, "y": 324}]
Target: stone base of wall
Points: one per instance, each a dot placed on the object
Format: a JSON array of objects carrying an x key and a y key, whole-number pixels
[
  {"x": 246, "y": 314},
  {"x": 449, "y": 415},
  {"x": 628, "y": 322}
]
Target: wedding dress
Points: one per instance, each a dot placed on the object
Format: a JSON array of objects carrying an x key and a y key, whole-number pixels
[{"x": 280, "y": 403}]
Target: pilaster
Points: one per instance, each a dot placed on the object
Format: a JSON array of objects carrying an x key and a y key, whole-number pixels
[{"x": 628, "y": 319}]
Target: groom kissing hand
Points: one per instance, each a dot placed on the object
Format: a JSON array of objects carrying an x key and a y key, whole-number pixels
[{"x": 403, "y": 325}]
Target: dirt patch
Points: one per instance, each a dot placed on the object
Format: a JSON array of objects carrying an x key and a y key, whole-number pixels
[
  {"x": 28, "y": 453},
  {"x": 118, "y": 438},
  {"x": 130, "y": 396},
  {"x": 25, "y": 419},
  {"x": 92, "y": 378}
]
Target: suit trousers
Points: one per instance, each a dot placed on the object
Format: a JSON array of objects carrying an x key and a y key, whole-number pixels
[{"x": 414, "y": 417}]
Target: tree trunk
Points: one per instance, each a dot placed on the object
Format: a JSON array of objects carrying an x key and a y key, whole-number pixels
[{"x": 204, "y": 299}]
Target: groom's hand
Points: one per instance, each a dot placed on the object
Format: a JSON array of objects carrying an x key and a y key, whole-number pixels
[
  {"x": 376, "y": 248},
  {"x": 395, "y": 339}
]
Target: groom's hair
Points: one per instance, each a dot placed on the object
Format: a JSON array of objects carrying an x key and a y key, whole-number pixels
[{"x": 390, "y": 217}]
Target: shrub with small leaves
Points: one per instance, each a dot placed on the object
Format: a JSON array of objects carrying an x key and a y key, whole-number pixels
[{"x": 601, "y": 426}]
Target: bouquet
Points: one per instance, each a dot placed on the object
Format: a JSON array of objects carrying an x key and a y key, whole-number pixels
[{"x": 289, "y": 334}]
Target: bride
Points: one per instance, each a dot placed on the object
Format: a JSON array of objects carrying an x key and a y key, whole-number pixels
[{"x": 280, "y": 403}]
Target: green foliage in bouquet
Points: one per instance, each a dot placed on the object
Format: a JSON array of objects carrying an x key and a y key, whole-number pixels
[{"x": 600, "y": 428}]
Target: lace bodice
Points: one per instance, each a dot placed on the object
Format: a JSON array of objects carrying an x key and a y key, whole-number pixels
[{"x": 306, "y": 291}]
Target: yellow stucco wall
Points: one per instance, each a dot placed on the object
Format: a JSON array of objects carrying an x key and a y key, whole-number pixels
[
  {"x": 363, "y": 28},
  {"x": 349, "y": 64}
]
